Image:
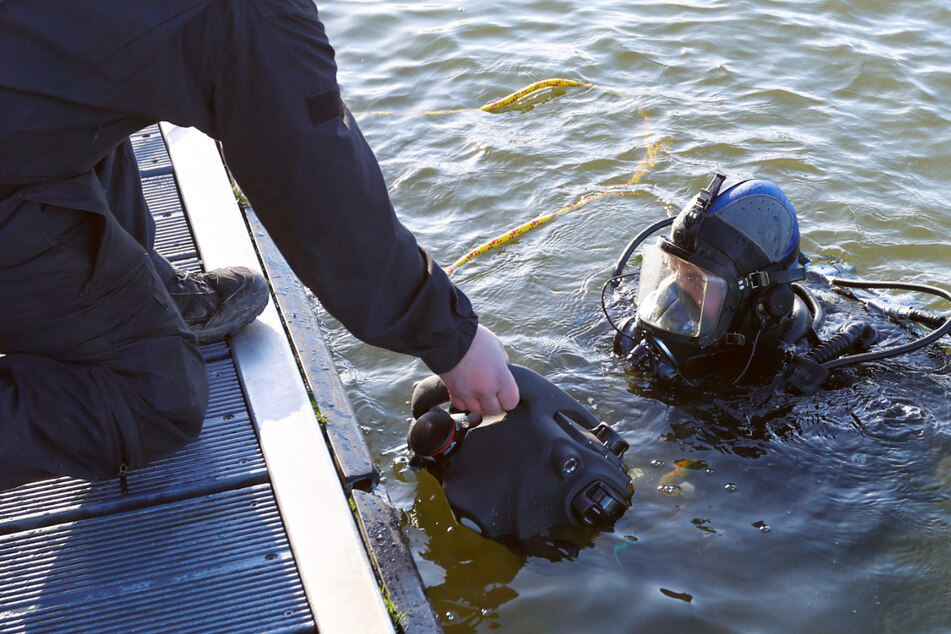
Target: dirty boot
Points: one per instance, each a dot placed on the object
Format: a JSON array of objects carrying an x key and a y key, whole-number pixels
[{"x": 220, "y": 302}]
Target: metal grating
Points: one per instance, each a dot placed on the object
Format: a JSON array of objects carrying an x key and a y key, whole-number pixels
[
  {"x": 162, "y": 195},
  {"x": 173, "y": 237},
  {"x": 216, "y": 564},
  {"x": 174, "y": 240},
  {"x": 149, "y": 147}
]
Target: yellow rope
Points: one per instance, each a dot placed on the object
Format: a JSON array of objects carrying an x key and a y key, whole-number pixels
[
  {"x": 538, "y": 85},
  {"x": 528, "y": 226},
  {"x": 556, "y": 82},
  {"x": 504, "y": 101},
  {"x": 642, "y": 169}
]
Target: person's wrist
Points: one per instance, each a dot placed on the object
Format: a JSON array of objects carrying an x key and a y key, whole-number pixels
[{"x": 448, "y": 356}]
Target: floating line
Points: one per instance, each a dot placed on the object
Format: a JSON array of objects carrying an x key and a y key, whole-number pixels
[
  {"x": 495, "y": 106},
  {"x": 643, "y": 168},
  {"x": 538, "y": 85}
]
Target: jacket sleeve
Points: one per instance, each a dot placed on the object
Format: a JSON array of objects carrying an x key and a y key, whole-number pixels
[{"x": 301, "y": 160}]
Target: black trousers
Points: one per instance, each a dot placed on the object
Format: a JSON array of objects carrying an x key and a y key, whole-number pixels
[{"x": 100, "y": 370}]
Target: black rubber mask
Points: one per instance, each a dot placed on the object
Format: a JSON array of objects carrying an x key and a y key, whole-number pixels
[{"x": 546, "y": 472}]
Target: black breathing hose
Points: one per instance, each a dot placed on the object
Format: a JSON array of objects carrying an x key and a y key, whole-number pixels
[
  {"x": 622, "y": 261},
  {"x": 815, "y": 308},
  {"x": 852, "y": 334},
  {"x": 926, "y": 317},
  {"x": 921, "y": 342},
  {"x": 619, "y": 275}
]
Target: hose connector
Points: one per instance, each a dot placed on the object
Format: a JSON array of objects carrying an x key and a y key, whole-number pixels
[{"x": 807, "y": 373}]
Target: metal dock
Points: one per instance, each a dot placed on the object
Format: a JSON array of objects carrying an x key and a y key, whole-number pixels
[{"x": 273, "y": 521}]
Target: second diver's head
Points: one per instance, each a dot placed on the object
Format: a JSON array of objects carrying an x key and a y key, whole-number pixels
[{"x": 720, "y": 280}]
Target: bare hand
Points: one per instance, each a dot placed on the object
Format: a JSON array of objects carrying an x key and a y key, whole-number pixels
[{"x": 481, "y": 382}]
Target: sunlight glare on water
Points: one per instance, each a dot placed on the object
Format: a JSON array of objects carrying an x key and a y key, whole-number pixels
[{"x": 822, "y": 513}]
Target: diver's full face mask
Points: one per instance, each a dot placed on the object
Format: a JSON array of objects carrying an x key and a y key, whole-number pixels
[{"x": 679, "y": 297}]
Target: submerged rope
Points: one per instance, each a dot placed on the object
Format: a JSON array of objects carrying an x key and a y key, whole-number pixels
[{"x": 642, "y": 169}]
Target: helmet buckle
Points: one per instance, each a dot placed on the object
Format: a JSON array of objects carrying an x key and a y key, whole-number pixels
[
  {"x": 757, "y": 279},
  {"x": 734, "y": 339}
]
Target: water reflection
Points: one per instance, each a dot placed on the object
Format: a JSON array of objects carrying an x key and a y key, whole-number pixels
[{"x": 477, "y": 571}]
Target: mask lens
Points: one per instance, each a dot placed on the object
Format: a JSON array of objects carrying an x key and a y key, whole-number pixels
[{"x": 677, "y": 296}]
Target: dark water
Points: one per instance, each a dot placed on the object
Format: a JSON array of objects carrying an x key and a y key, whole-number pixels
[{"x": 822, "y": 513}]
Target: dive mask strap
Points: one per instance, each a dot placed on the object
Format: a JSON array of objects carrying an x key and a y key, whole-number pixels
[{"x": 762, "y": 279}]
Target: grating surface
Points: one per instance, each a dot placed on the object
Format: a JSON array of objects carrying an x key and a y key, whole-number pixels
[
  {"x": 173, "y": 238},
  {"x": 197, "y": 544},
  {"x": 217, "y": 563},
  {"x": 150, "y": 149}
]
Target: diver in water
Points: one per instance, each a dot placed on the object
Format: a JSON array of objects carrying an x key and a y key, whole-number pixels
[{"x": 721, "y": 296}]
